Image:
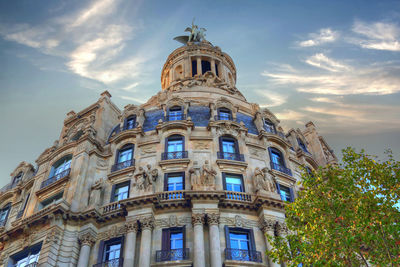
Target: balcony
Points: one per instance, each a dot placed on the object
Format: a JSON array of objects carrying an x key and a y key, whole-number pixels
[
  {"x": 280, "y": 168},
  {"x": 174, "y": 155},
  {"x": 243, "y": 255},
  {"x": 172, "y": 255},
  {"x": 122, "y": 165},
  {"x": 171, "y": 195},
  {"x": 111, "y": 263},
  {"x": 230, "y": 156},
  {"x": 239, "y": 196},
  {"x": 175, "y": 117},
  {"x": 55, "y": 178}
]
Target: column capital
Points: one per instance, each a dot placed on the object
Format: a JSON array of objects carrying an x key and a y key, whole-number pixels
[
  {"x": 213, "y": 218},
  {"x": 87, "y": 239},
  {"x": 147, "y": 223},
  {"x": 198, "y": 218},
  {"x": 267, "y": 225},
  {"x": 131, "y": 226},
  {"x": 281, "y": 228}
]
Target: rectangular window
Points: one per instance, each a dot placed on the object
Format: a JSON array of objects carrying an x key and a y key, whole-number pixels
[
  {"x": 173, "y": 245},
  {"x": 224, "y": 115},
  {"x": 125, "y": 155},
  {"x": 27, "y": 256},
  {"x": 240, "y": 245},
  {"x": 51, "y": 200},
  {"x": 110, "y": 252},
  {"x": 175, "y": 114},
  {"x": 175, "y": 145},
  {"x": 286, "y": 193},
  {"x": 130, "y": 123},
  {"x": 120, "y": 191},
  {"x": 175, "y": 182},
  {"x": 228, "y": 146},
  {"x": 233, "y": 183}
]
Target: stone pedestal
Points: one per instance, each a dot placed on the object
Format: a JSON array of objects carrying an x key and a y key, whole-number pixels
[{"x": 198, "y": 253}]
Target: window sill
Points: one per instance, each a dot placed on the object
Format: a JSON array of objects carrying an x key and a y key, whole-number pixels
[
  {"x": 175, "y": 164},
  {"x": 53, "y": 187},
  {"x": 233, "y": 263},
  {"x": 225, "y": 164},
  {"x": 181, "y": 263},
  {"x": 122, "y": 171}
]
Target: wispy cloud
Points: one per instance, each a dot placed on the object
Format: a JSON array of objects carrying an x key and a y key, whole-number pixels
[
  {"x": 321, "y": 61},
  {"x": 377, "y": 35},
  {"x": 274, "y": 99},
  {"x": 325, "y": 35}
]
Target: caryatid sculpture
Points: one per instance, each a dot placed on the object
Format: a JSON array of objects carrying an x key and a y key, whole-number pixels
[
  {"x": 95, "y": 193},
  {"x": 263, "y": 181}
]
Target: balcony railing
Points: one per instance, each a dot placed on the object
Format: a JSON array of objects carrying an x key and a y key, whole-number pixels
[
  {"x": 175, "y": 117},
  {"x": 111, "y": 207},
  {"x": 32, "y": 264},
  {"x": 55, "y": 178},
  {"x": 127, "y": 127},
  {"x": 281, "y": 168},
  {"x": 240, "y": 196},
  {"x": 172, "y": 255},
  {"x": 174, "y": 155},
  {"x": 111, "y": 263},
  {"x": 171, "y": 195},
  {"x": 225, "y": 117},
  {"x": 230, "y": 156},
  {"x": 122, "y": 165},
  {"x": 243, "y": 255}
]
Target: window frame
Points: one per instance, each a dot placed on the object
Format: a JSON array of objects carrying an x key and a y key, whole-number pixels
[
  {"x": 54, "y": 199},
  {"x": 166, "y": 236},
  {"x": 18, "y": 177},
  {"x": 7, "y": 208},
  {"x": 27, "y": 252},
  {"x": 178, "y": 108},
  {"x": 131, "y": 117},
  {"x": 119, "y": 185},
  {"x": 225, "y": 110},
  {"x": 171, "y": 138},
  {"x": 67, "y": 159},
  {"x": 269, "y": 123},
  {"x": 123, "y": 148},
  {"x": 228, "y": 138},
  {"x": 278, "y": 186},
  {"x": 248, "y": 231},
  {"x": 224, "y": 174},
  {"x": 275, "y": 150},
  {"x": 172, "y": 174},
  {"x": 102, "y": 246}
]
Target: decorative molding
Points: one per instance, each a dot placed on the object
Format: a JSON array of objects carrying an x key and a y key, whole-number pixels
[
  {"x": 213, "y": 218},
  {"x": 87, "y": 238},
  {"x": 172, "y": 221},
  {"x": 112, "y": 232},
  {"x": 132, "y": 226},
  {"x": 238, "y": 221},
  {"x": 198, "y": 218},
  {"x": 147, "y": 223}
]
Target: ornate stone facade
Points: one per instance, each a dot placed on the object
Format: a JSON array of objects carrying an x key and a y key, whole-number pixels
[{"x": 197, "y": 163}]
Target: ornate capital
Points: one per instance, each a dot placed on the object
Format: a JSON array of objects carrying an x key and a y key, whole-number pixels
[
  {"x": 213, "y": 218},
  {"x": 87, "y": 239},
  {"x": 131, "y": 227},
  {"x": 281, "y": 229},
  {"x": 198, "y": 218},
  {"x": 147, "y": 223},
  {"x": 267, "y": 225}
]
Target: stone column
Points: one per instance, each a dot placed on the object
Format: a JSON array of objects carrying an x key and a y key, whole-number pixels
[
  {"x": 198, "y": 250},
  {"x": 130, "y": 242},
  {"x": 215, "y": 244},
  {"x": 199, "y": 65},
  {"x": 213, "y": 66},
  {"x": 147, "y": 225},
  {"x": 282, "y": 232},
  {"x": 87, "y": 240},
  {"x": 268, "y": 227}
]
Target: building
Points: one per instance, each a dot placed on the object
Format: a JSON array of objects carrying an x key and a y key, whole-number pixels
[{"x": 194, "y": 177}]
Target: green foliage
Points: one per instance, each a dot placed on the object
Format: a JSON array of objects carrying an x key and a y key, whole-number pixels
[{"x": 345, "y": 216}]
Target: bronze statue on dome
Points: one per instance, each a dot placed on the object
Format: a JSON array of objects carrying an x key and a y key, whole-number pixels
[{"x": 196, "y": 34}]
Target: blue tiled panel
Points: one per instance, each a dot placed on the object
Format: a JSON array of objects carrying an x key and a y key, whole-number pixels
[
  {"x": 151, "y": 119},
  {"x": 248, "y": 122},
  {"x": 200, "y": 115}
]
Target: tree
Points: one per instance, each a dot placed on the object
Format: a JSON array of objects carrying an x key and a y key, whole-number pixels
[{"x": 345, "y": 215}]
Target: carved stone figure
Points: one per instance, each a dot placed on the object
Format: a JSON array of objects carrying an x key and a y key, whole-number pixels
[
  {"x": 263, "y": 181},
  {"x": 95, "y": 193},
  {"x": 145, "y": 178},
  {"x": 208, "y": 174},
  {"x": 140, "y": 178},
  {"x": 196, "y": 34},
  {"x": 194, "y": 177}
]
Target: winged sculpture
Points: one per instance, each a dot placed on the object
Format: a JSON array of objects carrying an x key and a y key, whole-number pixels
[{"x": 196, "y": 34}]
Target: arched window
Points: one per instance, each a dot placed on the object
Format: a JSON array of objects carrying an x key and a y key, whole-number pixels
[
  {"x": 124, "y": 158},
  {"x": 229, "y": 149},
  {"x": 61, "y": 167},
  {"x": 269, "y": 126},
  {"x": 4, "y": 214},
  {"x": 278, "y": 161},
  {"x": 175, "y": 113},
  {"x": 174, "y": 148},
  {"x": 224, "y": 114},
  {"x": 17, "y": 178},
  {"x": 130, "y": 122}
]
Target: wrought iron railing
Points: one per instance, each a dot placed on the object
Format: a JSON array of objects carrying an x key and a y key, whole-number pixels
[
  {"x": 111, "y": 263},
  {"x": 243, "y": 255},
  {"x": 225, "y": 117},
  {"x": 281, "y": 168},
  {"x": 32, "y": 264},
  {"x": 122, "y": 165},
  {"x": 175, "y": 117},
  {"x": 230, "y": 156},
  {"x": 171, "y": 195},
  {"x": 174, "y": 155},
  {"x": 55, "y": 178},
  {"x": 240, "y": 196},
  {"x": 135, "y": 125},
  {"x": 172, "y": 254}
]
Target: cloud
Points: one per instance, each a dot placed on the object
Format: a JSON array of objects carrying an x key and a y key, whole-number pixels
[
  {"x": 274, "y": 98},
  {"x": 321, "y": 61},
  {"x": 374, "y": 79},
  {"x": 289, "y": 114},
  {"x": 325, "y": 35},
  {"x": 377, "y": 35}
]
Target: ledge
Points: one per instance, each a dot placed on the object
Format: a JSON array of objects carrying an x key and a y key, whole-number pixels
[
  {"x": 126, "y": 134},
  {"x": 183, "y": 124},
  {"x": 224, "y": 164},
  {"x": 54, "y": 186},
  {"x": 284, "y": 175},
  {"x": 119, "y": 172},
  {"x": 174, "y": 163},
  {"x": 274, "y": 138},
  {"x": 228, "y": 263},
  {"x": 183, "y": 263}
]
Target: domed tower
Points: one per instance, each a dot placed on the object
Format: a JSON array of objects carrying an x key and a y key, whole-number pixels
[{"x": 197, "y": 176}]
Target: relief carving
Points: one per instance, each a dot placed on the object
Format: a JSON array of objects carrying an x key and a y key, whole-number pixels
[
  {"x": 203, "y": 178},
  {"x": 144, "y": 178},
  {"x": 95, "y": 193},
  {"x": 202, "y": 145},
  {"x": 264, "y": 180}
]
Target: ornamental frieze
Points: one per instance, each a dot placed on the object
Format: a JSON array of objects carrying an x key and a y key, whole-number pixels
[{"x": 238, "y": 221}]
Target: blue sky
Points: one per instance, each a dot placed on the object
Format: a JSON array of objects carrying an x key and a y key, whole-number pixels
[{"x": 333, "y": 62}]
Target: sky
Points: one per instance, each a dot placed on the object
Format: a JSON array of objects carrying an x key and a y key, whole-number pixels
[{"x": 336, "y": 63}]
